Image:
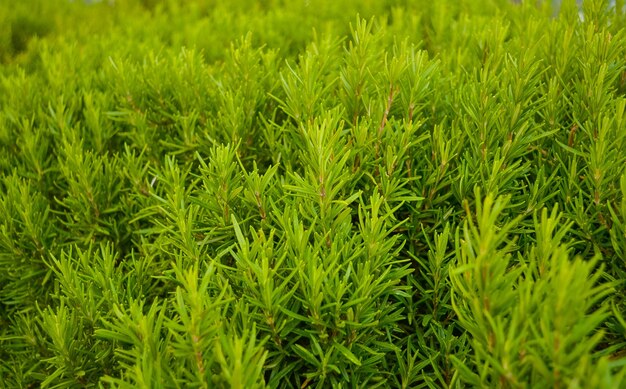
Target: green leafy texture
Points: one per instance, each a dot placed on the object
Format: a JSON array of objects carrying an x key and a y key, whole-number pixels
[
  {"x": 533, "y": 323},
  {"x": 265, "y": 193}
]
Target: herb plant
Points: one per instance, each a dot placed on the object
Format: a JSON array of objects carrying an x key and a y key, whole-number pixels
[{"x": 250, "y": 194}]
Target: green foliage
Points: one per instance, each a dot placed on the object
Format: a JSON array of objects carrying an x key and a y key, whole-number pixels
[{"x": 312, "y": 194}]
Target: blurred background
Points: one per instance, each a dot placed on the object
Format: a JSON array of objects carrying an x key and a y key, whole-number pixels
[{"x": 24, "y": 22}]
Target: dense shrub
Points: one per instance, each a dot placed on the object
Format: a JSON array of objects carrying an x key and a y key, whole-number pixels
[{"x": 312, "y": 194}]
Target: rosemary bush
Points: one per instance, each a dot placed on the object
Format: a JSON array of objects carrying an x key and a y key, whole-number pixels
[{"x": 313, "y": 193}]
